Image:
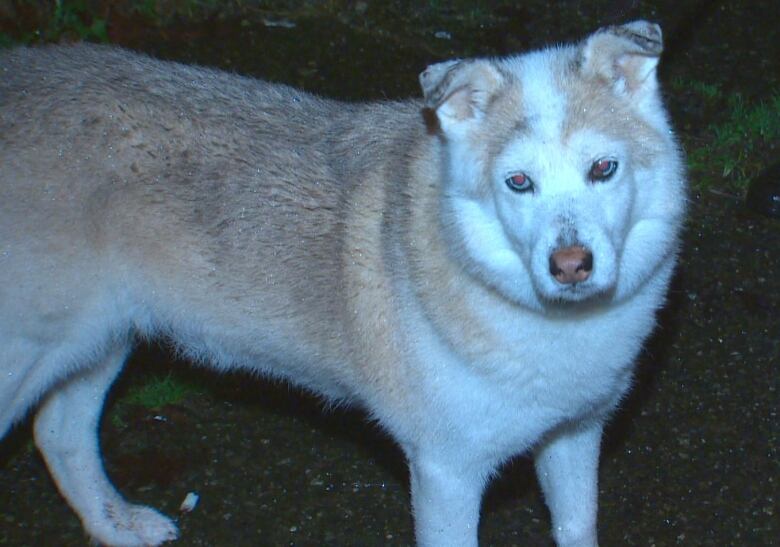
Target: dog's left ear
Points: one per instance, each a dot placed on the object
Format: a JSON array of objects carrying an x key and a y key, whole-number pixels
[
  {"x": 458, "y": 92},
  {"x": 626, "y": 56}
]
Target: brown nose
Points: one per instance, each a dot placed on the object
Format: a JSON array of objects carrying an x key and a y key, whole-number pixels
[{"x": 571, "y": 264}]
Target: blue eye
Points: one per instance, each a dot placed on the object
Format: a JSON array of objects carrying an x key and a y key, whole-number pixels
[
  {"x": 602, "y": 170},
  {"x": 520, "y": 183}
]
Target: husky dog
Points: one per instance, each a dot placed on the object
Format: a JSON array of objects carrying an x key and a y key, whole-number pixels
[{"x": 478, "y": 270}]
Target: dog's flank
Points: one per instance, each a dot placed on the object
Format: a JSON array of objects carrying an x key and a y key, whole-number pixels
[{"x": 477, "y": 269}]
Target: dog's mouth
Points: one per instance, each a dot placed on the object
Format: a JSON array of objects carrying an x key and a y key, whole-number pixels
[{"x": 578, "y": 293}]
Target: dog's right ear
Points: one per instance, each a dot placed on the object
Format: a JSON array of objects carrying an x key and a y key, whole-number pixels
[{"x": 458, "y": 92}]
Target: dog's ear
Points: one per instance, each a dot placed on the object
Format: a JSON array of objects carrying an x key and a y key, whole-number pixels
[
  {"x": 626, "y": 56},
  {"x": 458, "y": 92}
]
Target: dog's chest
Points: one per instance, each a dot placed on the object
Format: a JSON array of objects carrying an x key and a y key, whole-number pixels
[{"x": 538, "y": 374}]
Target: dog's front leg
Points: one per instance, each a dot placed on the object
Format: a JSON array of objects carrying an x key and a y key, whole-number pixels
[
  {"x": 567, "y": 468},
  {"x": 446, "y": 498},
  {"x": 66, "y": 432}
]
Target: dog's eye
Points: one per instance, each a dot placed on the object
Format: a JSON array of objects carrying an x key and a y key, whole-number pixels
[
  {"x": 602, "y": 170},
  {"x": 520, "y": 182}
]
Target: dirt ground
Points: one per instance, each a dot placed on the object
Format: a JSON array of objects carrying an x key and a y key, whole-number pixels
[{"x": 691, "y": 459}]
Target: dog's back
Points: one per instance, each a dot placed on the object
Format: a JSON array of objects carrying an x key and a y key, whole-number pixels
[{"x": 163, "y": 194}]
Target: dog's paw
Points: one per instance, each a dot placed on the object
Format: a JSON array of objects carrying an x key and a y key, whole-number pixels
[{"x": 128, "y": 525}]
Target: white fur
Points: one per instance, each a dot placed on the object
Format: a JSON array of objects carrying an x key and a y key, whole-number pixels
[{"x": 544, "y": 106}]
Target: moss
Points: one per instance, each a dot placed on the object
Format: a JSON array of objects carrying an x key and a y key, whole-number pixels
[
  {"x": 158, "y": 391},
  {"x": 733, "y": 148}
]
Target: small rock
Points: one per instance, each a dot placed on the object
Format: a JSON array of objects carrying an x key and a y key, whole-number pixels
[
  {"x": 280, "y": 23},
  {"x": 189, "y": 503}
]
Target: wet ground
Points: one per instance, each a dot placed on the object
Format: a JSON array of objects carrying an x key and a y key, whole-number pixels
[{"x": 692, "y": 458}]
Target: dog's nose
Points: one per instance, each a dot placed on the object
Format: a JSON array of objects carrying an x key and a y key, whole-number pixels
[{"x": 571, "y": 264}]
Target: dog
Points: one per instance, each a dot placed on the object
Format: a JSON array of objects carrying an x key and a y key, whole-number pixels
[{"x": 477, "y": 269}]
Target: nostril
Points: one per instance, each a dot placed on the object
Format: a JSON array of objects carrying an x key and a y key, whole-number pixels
[
  {"x": 587, "y": 262},
  {"x": 571, "y": 265},
  {"x": 554, "y": 269}
]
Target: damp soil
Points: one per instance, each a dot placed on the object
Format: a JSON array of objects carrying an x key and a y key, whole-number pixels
[{"x": 690, "y": 459}]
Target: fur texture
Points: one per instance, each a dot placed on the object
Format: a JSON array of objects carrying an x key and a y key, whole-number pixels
[{"x": 477, "y": 269}]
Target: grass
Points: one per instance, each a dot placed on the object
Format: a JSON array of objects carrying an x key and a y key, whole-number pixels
[
  {"x": 87, "y": 20},
  {"x": 159, "y": 391},
  {"x": 68, "y": 18},
  {"x": 75, "y": 17},
  {"x": 729, "y": 151},
  {"x": 154, "y": 393}
]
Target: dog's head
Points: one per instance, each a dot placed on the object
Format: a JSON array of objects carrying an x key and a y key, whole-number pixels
[{"x": 554, "y": 160}]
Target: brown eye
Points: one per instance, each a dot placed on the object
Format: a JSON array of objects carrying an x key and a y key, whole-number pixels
[
  {"x": 602, "y": 170},
  {"x": 520, "y": 182}
]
